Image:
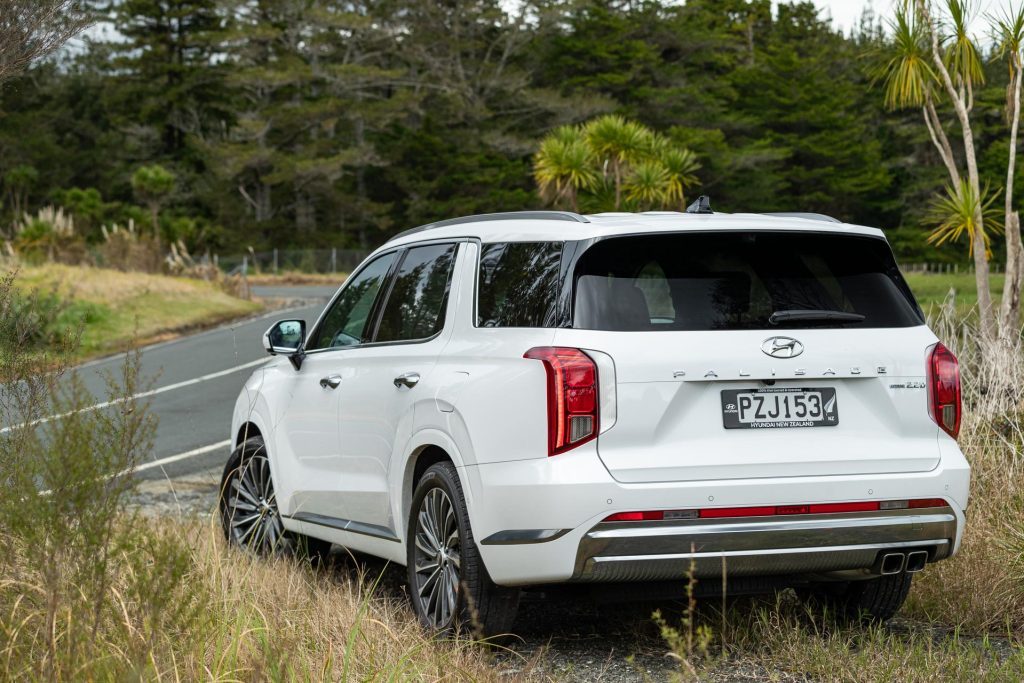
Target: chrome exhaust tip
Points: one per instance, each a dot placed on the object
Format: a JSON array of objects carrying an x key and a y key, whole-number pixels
[
  {"x": 916, "y": 561},
  {"x": 892, "y": 563}
]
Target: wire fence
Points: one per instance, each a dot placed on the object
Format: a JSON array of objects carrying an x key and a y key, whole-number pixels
[
  {"x": 945, "y": 268},
  {"x": 292, "y": 261}
]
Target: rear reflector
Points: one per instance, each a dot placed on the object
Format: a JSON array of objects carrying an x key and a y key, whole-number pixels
[
  {"x": 928, "y": 503},
  {"x": 775, "y": 510}
]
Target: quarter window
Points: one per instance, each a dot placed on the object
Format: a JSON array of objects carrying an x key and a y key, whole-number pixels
[
  {"x": 347, "y": 321},
  {"x": 518, "y": 284},
  {"x": 416, "y": 306}
]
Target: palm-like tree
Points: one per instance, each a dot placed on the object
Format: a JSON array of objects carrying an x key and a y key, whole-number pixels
[
  {"x": 647, "y": 184},
  {"x": 681, "y": 166},
  {"x": 962, "y": 58},
  {"x": 927, "y": 65},
  {"x": 614, "y": 162},
  {"x": 563, "y": 166},
  {"x": 617, "y": 144},
  {"x": 956, "y": 213}
]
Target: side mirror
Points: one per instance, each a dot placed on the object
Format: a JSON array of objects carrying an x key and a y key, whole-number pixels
[{"x": 285, "y": 337}]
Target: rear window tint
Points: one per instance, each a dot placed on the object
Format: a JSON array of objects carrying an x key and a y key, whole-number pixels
[
  {"x": 518, "y": 284},
  {"x": 735, "y": 281}
]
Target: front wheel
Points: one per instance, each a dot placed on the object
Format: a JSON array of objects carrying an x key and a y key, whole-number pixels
[
  {"x": 248, "y": 508},
  {"x": 448, "y": 583}
]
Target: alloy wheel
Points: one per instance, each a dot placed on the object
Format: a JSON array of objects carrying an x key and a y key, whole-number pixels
[
  {"x": 250, "y": 507},
  {"x": 438, "y": 558}
]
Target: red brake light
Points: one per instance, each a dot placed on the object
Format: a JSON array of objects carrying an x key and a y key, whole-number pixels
[
  {"x": 944, "y": 389},
  {"x": 572, "y": 396}
]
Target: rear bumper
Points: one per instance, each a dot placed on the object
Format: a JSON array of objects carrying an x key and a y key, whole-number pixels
[
  {"x": 541, "y": 521},
  {"x": 810, "y": 544}
]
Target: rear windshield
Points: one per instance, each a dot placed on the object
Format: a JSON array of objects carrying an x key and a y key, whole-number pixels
[{"x": 737, "y": 281}]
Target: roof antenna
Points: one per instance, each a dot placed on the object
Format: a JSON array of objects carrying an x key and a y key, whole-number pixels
[{"x": 702, "y": 205}]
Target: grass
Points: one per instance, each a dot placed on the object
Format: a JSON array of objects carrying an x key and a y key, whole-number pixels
[
  {"x": 931, "y": 290},
  {"x": 117, "y": 308},
  {"x": 297, "y": 278}
]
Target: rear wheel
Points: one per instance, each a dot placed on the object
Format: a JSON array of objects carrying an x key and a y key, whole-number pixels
[
  {"x": 248, "y": 508},
  {"x": 448, "y": 583},
  {"x": 872, "y": 601}
]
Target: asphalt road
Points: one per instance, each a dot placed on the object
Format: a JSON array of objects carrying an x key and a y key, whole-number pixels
[{"x": 196, "y": 380}]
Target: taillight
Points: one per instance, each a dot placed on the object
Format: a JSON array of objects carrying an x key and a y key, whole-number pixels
[
  {"x": 944, "y": 389},
  {"x": 572, "y": 396}
]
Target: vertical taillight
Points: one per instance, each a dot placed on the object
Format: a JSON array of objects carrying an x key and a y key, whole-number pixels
[
  {"x": 572, "y": 396},
  {"x": 944, "y": 389}
]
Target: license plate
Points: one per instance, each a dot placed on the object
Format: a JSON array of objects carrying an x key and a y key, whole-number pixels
[{"x": 776, "y": 408}]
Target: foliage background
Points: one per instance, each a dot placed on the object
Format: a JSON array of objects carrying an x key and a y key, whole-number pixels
[{"x": 328, "y": 123}]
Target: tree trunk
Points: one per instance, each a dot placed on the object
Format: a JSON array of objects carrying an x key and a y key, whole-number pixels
[
  {"x": 1010, "y": 310},
  {"x": 941, "y": 142},
  {"x": 154, "y": 210}
]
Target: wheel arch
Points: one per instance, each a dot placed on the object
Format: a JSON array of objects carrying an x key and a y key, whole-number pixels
[
  {"x": 428, "y": 448},
  {"x": 246, "y": 430}
]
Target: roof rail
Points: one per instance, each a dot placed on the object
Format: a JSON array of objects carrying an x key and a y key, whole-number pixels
[
  {"x": 568, "y": 216},
  {"x": 807, "y": 216}
]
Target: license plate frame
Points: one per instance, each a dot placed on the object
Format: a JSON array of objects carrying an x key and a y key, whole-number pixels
[{"x": 785, "y": 404}]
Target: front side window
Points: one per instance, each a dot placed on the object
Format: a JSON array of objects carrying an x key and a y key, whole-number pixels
[
  {"x": 347, "y": 322},
  {"x": 415, "y": 308},
  {"x": 740, "y": 281},
  {"x": 518, "y": 284}
]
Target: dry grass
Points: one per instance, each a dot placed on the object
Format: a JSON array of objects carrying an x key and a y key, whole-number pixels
[
  {"x": 297, "y": 278},
  {"x": 977, "y": 589},
  {"x": 121, "y": 308},
  {"x": 235, "y": 618}
]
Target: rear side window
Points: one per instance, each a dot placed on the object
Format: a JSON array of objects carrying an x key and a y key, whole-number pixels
[
  {"x": 416, "y": 305},
  {"x": 518, "y": 283},
  {"x": 736, "y": 281}
]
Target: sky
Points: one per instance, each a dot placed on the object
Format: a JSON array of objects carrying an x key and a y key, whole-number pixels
[{"x": 846, "y": 13}]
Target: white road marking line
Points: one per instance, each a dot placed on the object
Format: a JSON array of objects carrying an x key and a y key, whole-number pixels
[
  {"x": 180, "y": 456},
  {"x": 161, "y": 462},
  {"x": 141, "y": 394}
]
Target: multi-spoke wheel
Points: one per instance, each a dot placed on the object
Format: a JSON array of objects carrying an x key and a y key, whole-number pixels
[
  {"x": 448, "y": 582},
  {"x": 437, "y": 557},
  {"x": 248, "y": 507}
]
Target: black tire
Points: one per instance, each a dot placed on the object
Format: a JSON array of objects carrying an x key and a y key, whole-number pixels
[
  {"x": 870, "y": 601},
  {"x": 480, "y": 606},
  {"x": 246, "y": 472}
]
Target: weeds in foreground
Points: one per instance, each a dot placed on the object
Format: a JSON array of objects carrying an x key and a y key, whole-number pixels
[
  {"x": 785, "y": 639},
  {"x": 90, "y": 590}
]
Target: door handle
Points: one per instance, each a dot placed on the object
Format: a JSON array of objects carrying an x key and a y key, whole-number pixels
[
  {"x": 330, "y": 382},
  {"x": 409, "y": 379}
]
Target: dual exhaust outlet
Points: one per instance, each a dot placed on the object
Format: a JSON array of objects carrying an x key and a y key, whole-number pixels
[{"x": 894, "y": 563}]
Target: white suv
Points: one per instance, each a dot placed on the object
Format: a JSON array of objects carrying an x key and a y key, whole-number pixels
[{"x": 514, "y": 400}]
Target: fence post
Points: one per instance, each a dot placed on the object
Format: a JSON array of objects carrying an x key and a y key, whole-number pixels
[
  {"x": 275, "y": 260},
  {"x": 245, "y": 266},
  {"x": 216, "y": 260},
  {"x": 334, "y": 260}
]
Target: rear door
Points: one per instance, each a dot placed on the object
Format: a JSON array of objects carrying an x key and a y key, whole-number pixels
[
  {"x": 711, "y": 385},
  {"x": 383, "y": 382}
]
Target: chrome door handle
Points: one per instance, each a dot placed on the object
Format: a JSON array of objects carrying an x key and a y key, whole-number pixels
[
  {"x": 409, "y": 379},
  {"x": 330, "y": 382}
]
